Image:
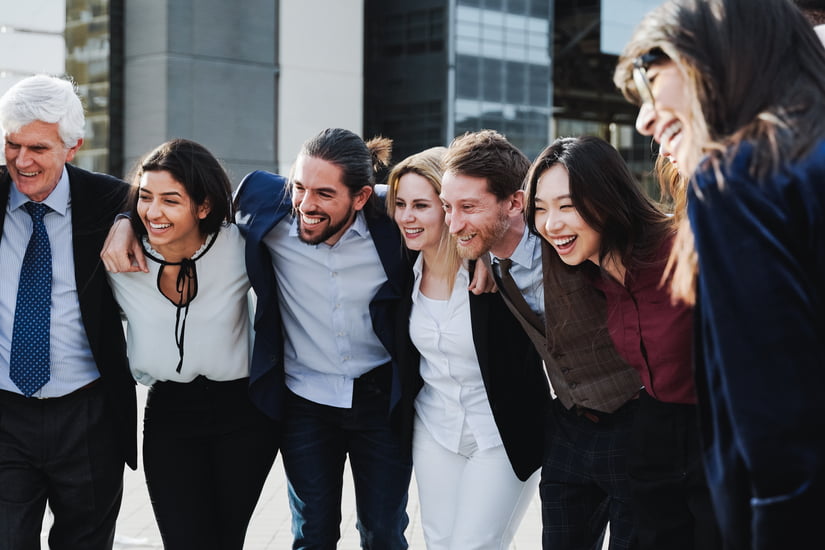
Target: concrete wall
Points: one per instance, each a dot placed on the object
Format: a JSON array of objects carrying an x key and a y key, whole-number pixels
[
  {"x": 321, "y": 79},
  {"x": 205, "y": 70}
]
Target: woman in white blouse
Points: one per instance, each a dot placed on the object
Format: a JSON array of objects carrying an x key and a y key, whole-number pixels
[
  {"x": 206, "y": 449},
  {"x": 473, "y": 386}
]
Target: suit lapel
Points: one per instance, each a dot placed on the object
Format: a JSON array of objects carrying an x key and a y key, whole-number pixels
[
  {"x": 480, "y": 324},
  {"x": 387, "y": 242},
  {"x": 5, "y": 188}
]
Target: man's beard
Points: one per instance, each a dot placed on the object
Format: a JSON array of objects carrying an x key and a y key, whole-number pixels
[
  {"x": 488, "y": 238},
  {"x": 329, "y": 232}
]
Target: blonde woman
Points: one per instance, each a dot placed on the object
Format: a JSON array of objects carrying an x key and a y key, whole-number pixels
[{"x": 474, "y": 392}]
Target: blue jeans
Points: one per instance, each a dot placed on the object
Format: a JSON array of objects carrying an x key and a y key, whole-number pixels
[{"x": 315, "y": 444}]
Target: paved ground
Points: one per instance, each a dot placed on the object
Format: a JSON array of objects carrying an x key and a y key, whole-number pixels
[{"x": 269, "y": 528}]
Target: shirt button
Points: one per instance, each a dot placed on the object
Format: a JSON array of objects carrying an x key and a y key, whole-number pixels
[{"x": 573, "y": 385}]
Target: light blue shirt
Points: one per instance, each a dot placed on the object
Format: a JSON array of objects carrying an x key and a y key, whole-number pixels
[
  {"x": 526, "y": 270},
  {"x": 72, "y": 364},
  {"x": 324, "y": 294}
]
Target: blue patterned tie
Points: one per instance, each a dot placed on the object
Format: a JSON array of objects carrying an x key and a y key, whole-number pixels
[{"x": 29, "y": 361}]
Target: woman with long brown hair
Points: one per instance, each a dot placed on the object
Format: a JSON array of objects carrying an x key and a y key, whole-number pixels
[{"x": 734, "y": 89}]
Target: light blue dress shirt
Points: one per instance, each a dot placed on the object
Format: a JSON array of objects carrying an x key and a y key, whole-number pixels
[
  {"x": 72, "y": 364},
  {"x": 527, "y": 270},
  {"x": 324, "y": 293}
]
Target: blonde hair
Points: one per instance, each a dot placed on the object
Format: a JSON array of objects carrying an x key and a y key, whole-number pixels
[{"x": 429, "y": 164}]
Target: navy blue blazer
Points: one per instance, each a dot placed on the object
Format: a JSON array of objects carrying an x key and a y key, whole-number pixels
[
  {"x": 760, "y": 347},
  {"x": 262, "y": 200},
  {"x": 96, "y": 199},
  {"x": 512, "y": 372}
]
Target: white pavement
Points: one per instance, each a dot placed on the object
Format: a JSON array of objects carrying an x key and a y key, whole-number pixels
[{"x": 270, "y": 525}]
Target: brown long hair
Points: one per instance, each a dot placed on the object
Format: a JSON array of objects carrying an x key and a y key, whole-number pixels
[{"x": 756, "y": 73}]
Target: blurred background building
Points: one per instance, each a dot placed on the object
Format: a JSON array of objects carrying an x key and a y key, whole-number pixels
[{"x": 252, "y": 79}]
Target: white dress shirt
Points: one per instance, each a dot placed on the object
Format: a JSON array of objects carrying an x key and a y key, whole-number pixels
[{"x": 453, "y": 399}]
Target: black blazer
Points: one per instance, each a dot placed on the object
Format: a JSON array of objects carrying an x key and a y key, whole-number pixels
[
  {"x": 512, "y": 371},
  {"x": 96, "y": 199}
]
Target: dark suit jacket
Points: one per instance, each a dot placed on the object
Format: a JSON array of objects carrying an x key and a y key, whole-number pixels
[
  {"x": 262, "y": 201},
  {"x": 96, "y": 199},
  {"x": 512, "y": 372}
]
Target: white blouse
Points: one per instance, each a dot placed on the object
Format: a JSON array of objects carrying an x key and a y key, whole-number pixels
[
  {"x": 217, "y": 340},
  {"x": 453, "y": 398}
]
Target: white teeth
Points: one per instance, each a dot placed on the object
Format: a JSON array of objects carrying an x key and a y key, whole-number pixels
[
  {"x": 562, "y": 242},
  {"x": 27, "y": 174},
  {"x": 669, "y": 132},
  {"x": 310, "y": 221},
  {"x": 413, "y": 231},
  {"x": 465, "y": 238},
  {"x": 159, "y": 225}
]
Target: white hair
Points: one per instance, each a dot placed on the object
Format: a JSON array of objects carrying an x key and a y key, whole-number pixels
[{"x": 44, "y": 98}]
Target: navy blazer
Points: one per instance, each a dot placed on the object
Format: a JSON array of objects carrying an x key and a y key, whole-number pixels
[
  {"x": 760, "y": 346},
  {"x": 512, "y": 372},
  {"x": 262, "y": 200},
  {"x": 96, "y": 199}
]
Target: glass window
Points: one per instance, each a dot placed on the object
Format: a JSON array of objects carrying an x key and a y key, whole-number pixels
[{"x": 468, "y": 76}]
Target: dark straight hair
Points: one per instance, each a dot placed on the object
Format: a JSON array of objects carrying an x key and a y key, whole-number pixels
[
  {"x": 359, "y": 161},
  {"x": 606, "y": 196},
  {"x": 198, "y": 171}
]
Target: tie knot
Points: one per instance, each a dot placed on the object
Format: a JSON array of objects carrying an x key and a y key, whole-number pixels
[
  {"x": 504, "y": 264},
  {"x": 37, "y": 210}
]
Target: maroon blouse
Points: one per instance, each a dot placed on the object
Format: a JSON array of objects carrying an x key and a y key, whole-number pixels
[{"x": 651, "y": 333}]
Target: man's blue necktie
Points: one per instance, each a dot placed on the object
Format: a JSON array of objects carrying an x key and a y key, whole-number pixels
[{"x": 29, "y": 361}]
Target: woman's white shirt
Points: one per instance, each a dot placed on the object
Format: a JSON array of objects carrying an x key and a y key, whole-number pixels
[
  {"x": 217, "y": 340},
  {"x": 453, "y": 398}
]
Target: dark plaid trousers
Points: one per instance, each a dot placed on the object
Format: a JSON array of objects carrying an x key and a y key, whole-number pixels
[{"x": 584, "y": 480}]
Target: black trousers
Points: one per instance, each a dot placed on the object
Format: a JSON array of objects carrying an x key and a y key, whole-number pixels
[
  {"x": 65, "y": 451},
  {"x": 206, "y": 452},
  {"x": 671, "y": 499}
]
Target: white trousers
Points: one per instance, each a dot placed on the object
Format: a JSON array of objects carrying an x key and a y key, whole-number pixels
[{"x": 471, "y": 500}]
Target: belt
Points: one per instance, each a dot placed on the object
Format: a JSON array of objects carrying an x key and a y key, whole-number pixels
[{"x": 597, "y": 416}]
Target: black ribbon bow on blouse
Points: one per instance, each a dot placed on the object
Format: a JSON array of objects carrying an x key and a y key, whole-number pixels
[{"x": 186, "y": 286}]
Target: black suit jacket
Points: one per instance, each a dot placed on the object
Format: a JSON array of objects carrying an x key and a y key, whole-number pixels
[
  {"x": 512, "y": 372},
  {"x": 96, "y": 199}
]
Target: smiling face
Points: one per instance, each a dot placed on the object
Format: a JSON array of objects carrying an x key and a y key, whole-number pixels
[
  {"x": 418, "y": 213},
  {"x": 558, "y": 221},
  {"x": 669, "y": 119},
  {"x": 324, "y": 205},
  {"x": 169, "y": 215},
  {"x": 35, "y": 156},
  {"x": 475, "y": 216}
]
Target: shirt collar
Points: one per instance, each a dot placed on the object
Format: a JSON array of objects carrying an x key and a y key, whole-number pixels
[
  {"x": 58, "y": 200},
  {"x": 526, "y": 252},
  {"x": 462, "y": 277}
]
